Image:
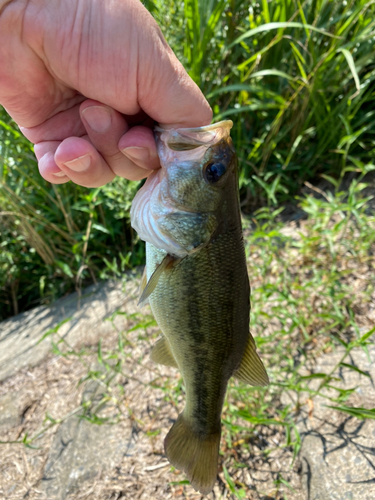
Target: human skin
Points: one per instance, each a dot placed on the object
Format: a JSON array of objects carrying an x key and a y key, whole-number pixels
[{"x": 86, "y": 80}]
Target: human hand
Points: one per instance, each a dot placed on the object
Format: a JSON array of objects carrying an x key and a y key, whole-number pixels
[{"x": 86, "y": 80}]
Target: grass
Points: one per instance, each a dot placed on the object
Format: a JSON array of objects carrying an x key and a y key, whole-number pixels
[
  {"x": 54, "y": 239},
  {"x": 297, "y": 79},
  {"x": 303, "y": 276}
]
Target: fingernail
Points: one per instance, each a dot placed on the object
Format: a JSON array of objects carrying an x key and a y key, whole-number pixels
[
  {"x": 98, "y": 118},
  {"x": 137, "y": 153},
  {"x": 59, "y": 174},
  {"x": 79, "y": 164}
]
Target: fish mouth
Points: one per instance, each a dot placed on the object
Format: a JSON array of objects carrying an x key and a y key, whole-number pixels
[
  {"x": 224, "y": 125},
  {"x": 189, "y": 143},
  {"x": 150, "y": 207}
]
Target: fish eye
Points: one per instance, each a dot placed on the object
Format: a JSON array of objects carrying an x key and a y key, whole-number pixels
[{"x": 214, "y": 171}]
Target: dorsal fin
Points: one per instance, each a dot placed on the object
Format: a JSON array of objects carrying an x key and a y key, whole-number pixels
[
  {"x": 161, "y": 353},
  {"x": 251, "y": 369},
  {"x": 153, "y": 281}
]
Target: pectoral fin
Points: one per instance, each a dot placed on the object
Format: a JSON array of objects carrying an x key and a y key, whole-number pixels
[
  {"x": 161, "y": 353},
  {"x": 153, "y": 281},
  {"x": 251, "y": 369},
  {"x": 142, "y": 286}
]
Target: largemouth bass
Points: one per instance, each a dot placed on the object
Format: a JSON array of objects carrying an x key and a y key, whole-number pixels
[{"x": 197, "y": 285}]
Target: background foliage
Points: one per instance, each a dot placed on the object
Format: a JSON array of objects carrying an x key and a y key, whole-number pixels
[{"x": 297, "y": 79}]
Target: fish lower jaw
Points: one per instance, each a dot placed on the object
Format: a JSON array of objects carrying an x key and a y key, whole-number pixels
[{"x": 146, "y": 212}]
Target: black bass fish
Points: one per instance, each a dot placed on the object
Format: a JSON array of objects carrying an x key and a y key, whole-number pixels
[{"x": 197, "y": 285}]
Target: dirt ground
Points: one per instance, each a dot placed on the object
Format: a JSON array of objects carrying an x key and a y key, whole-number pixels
[{"x": 141, "y": 411}]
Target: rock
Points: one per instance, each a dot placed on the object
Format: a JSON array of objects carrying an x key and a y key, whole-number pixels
[
  {"x": 80, "y": 319},
  {"x": 10, "y": 415},
  {"x": 338, "y": 450},
  {"x": 81, "y": 450}
]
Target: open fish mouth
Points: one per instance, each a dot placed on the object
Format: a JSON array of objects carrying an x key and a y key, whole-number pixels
[
  {"x": 155, "y": 203},
  {"x": 189, "y": 139}
]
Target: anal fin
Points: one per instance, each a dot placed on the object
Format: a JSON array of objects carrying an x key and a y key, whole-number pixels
[
  {"x": 161, "y": 353},
  {"x": 251, "y": 369}
]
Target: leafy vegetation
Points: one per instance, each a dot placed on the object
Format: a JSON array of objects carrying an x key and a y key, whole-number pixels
[
  {"x": 296, "y": 78},
  {"x": 54, "y": 239}
]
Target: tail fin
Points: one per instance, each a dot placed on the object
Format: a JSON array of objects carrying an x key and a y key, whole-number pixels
[{"x": 194, "y": 455}]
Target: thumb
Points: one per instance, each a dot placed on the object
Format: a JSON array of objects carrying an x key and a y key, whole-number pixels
[{"x": 165, "y": 91}]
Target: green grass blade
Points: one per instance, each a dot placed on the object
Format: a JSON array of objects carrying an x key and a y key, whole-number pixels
[
  {"x": 348, "y": 56},
  {"x": 277, "y": 26}
]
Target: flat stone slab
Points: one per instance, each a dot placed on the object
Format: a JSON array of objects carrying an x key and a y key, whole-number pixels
[
  {"x": 80, "y": 319},
  {"x": 81, "y": 450}
]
